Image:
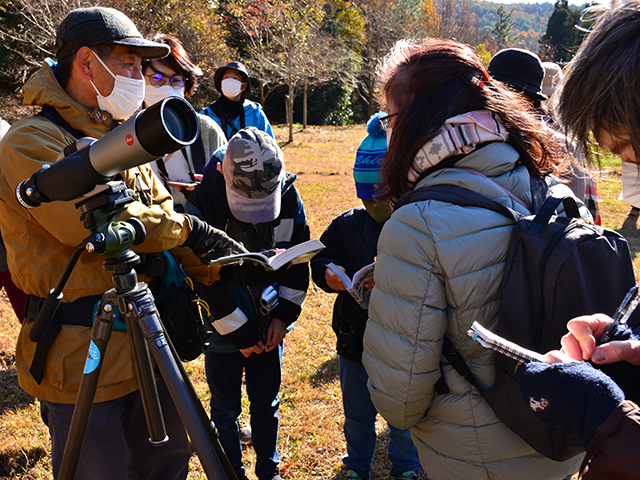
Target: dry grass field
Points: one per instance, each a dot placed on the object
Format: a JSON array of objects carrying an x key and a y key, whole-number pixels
[{"x": 311, "y": 441}]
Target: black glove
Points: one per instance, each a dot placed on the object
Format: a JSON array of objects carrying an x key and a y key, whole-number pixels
[
  {"x": 209, "y": 243},
  {"x": 574, "y": 397},
  {"x": 250, "y": 274}
]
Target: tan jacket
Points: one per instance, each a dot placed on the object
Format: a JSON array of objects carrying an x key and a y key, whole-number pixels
[{"x": 40, "y": 241}]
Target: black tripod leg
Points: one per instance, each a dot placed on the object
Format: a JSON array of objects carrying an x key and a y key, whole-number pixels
[
  {"x": 152, "y": 329},
  {"x": 208, "y": 424},
  {"x": 146, "y": 381},
  {"x": 100, "y": 335}
]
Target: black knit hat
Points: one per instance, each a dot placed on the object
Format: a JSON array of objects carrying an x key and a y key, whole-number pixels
[
  {"x": 217, "y": 77},
  {"x": 85, "y": 27},
  {"x": 520, "y": 69}
]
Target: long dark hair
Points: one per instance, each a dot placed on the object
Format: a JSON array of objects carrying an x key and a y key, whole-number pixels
[{"x": 426, "y": 83}]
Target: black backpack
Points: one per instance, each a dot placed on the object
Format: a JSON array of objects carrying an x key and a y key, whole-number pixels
[
  {"x": 557, "y": 268},
  {"x": 181, "y": 310}
]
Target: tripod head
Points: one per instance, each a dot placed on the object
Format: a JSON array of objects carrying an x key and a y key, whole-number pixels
[
  {"x": 111, "y": 238},
  {"x": 108, "y": 237}
]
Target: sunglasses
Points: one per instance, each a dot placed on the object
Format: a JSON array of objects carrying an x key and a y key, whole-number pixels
[
  {"x": 158, "y": 79},
  {"x": 383, "y": 120}
]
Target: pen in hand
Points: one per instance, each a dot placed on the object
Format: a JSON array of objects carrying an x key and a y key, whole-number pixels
[{"x": 624, "y": 311}]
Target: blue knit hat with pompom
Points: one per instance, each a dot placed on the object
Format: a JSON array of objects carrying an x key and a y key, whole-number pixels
[{"x": 366, "y": 170}]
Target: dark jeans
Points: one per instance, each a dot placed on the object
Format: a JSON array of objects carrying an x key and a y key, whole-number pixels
[
  {"x": 262, "y": 375},
  {"x": 360, "y": 426},
  {"x": 116, "y": 445}
]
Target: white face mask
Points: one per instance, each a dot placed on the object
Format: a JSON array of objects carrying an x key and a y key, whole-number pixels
[
  {"x": 125, "y": 98},
  {"x": 153, "y": 95},
  {"x": 231, "y": 87}
]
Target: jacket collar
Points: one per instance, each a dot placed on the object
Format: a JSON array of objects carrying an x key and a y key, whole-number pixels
[{"x": 43, "y": 89}]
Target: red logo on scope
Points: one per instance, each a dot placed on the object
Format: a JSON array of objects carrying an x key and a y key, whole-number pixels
[{"x": 129, "y": 139}]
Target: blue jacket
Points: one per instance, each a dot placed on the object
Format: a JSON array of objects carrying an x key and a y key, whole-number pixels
[
  {"x": 237, "y": 322},
  {"x": 254, "y": 116}
]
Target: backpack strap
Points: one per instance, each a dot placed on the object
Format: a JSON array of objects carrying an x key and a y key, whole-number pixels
[
  {"x": 458, "y": 196},
  {"x": 457, "y": 362},
  {"x": 197, "y": 155},
  {"x": 52, "y": 114}
]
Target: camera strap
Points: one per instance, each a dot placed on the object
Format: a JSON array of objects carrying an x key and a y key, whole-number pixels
[
  {"x": 197, "y": 156},
  {"x": 79, "y": 313}
]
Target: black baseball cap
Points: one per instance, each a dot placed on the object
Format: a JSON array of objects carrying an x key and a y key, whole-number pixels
[
  {"x": 217, "y": 77},
  {"x": 85, "y": 27},
  {"x": 520, "y": 69}
]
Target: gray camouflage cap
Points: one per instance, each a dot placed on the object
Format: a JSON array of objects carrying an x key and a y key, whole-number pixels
[{"x": 253, "y": 169}]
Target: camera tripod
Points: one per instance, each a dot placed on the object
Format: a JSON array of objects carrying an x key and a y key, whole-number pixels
[{"x": 146, "y": 335}]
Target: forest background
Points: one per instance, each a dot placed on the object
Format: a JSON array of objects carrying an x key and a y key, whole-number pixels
[{"x": 310, "y": 61}]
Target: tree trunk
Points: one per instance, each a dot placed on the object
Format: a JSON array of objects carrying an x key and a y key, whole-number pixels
[
  {"x": 290, "y": 102},
  {"x": 304, "y": 103},
  {"x": 289, "y": 99},
  {"x": 371, "y": 104}
]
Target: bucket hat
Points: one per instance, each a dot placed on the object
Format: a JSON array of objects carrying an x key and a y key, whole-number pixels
[
  {"x": 217, "y": 76},
  {"x": 520, "y": 69}
]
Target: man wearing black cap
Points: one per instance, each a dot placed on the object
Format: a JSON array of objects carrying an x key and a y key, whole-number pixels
[
  {"x": 232, "y": 111},
  {"x": 95, "y": 83}
]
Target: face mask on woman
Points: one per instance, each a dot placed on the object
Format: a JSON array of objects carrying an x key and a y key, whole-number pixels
[
  {"x": 153, "y": 94},
  {"x": 231, "y": 87},
  {"x": 125, "y": 98}
]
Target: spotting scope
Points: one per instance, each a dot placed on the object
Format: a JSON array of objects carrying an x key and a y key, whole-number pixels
[{"x": 160, "y": 129}]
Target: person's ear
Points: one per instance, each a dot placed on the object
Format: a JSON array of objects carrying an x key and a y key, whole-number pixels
[
  {"x": 243, "y": 87},
  {"x": 85, "y": 61}
]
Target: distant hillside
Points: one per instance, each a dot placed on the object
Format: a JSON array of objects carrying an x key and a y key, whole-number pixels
[{"x": 531, "y": 21}]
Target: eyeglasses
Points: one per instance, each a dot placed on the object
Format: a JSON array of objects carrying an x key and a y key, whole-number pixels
[
  {"x": 384, "y": 120},
  {"x": 158, "y": 79}
]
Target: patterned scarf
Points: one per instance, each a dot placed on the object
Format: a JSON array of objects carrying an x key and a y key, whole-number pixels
[{"x": 459, "y": 135}]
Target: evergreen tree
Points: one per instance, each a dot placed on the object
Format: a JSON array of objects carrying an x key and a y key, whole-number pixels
[
  {"x": 502, "y": 27},
  {"x": 562, "y": 38}
]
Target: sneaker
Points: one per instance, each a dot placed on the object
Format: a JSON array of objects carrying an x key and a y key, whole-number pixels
[
  {"x": 353, "y": 475},
  {"x": 409, "y": 474},
  {"x": 245, "y": 435}
]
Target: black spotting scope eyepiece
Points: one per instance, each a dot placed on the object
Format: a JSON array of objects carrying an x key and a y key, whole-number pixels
[{"x": 163, "y": 128}]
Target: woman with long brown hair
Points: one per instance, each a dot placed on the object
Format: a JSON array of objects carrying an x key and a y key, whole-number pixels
[{"x": 439, "y": 266}]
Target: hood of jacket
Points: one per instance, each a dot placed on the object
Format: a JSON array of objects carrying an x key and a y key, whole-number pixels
[
  {"x": 497, "y": 161},
  {"x": 43, "y": 88}
]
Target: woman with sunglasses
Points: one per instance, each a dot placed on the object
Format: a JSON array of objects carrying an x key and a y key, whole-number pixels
[
  {"x": 176, "y": 75},
  {"x": 440, "y": 266}
]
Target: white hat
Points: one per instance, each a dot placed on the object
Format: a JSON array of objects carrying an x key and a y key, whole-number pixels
[{"x": 552, "y": 77}]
